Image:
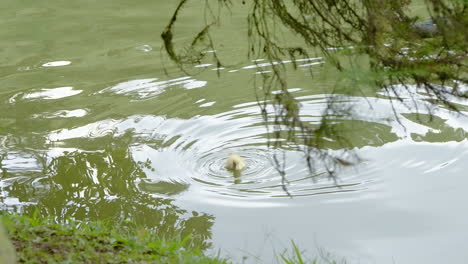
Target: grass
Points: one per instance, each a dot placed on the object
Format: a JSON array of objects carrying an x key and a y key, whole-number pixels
[
  {"x": 39, "y": 240},
  {"x": 44, "y": 241}
]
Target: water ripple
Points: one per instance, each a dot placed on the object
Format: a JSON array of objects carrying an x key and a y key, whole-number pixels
[
  {"x": 189, "y": 154},
  {"x": 147, "y": 88},
  {"x": 46, "y": 94}
]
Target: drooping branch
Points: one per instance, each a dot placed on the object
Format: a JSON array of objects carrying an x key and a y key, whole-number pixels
[{"x": 399, "y": 48}]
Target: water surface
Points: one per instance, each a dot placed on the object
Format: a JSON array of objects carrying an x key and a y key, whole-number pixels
[{"x": 97, "y": 124}]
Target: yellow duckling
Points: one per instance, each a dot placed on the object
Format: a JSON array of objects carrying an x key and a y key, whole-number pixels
[{"x": 235, "y": 163}]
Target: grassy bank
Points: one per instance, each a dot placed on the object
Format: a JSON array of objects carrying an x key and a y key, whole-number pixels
[
  {"x": 43, "y": 241},
  {"x": 38, "y": 240}
]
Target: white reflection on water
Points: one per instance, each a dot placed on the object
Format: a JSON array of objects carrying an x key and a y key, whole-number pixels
[
  {"x": 63, "y": 114},
  {"x": 263, "y": 72},
  {"x": 404, "y": 214},
  {"x": 267, "y": 64},
  {"x": 18, "y": 161},
  {"x": 203, "y": 65},
  {"x": 145, "y": 48},
  {"x": 261, "y": 65},
  {"x": 208, "y": 104},
  {"x": 311, "y": 64},
  {"x": 146, "y": 88},
  {"x": 56, "y": 63},
  {"x": 46, "y": 94},
  {"x": 191, "y": 152}
]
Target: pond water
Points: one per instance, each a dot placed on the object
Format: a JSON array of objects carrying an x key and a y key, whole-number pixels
[{"x": 96, "y": 123}]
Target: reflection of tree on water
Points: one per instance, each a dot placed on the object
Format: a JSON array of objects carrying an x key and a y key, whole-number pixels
[
  {"x": 373, "y": 46},
  {"x": 102, "y": 185}
]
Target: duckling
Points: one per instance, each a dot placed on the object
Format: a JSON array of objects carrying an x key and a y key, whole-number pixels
[{"x": 235, "y": 163}]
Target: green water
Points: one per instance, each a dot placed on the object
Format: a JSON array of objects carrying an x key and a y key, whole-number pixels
[{"x": 96, "y": 123}]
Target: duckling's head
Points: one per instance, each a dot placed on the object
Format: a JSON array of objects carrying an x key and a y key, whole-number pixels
[{"x": 235, "y": 163}]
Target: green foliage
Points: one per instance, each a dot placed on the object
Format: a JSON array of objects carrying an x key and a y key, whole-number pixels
[
  {"x": 39, "y": 240},
  {"x": 296, "y": 256},
  {"x": 397, "y": 45}
]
